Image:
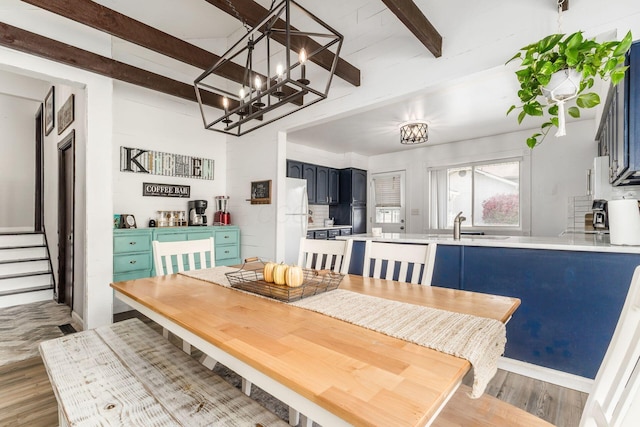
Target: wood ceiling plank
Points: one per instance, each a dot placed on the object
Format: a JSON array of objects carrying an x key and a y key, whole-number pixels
[
  {"x": 118, "y": 25},
  {"x": 565, "y": 5},
  {"x": 413, "y": 18},
  {"x": 101, "y": 18},
  {"x": 35, "y": 44},
  {"x": 253, "y": 13}
]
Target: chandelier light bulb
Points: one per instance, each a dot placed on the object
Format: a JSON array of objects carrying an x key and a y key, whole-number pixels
[
  {"x": 225, "y": 103},
  {"x": 302, "y": 56},
  {"x": 279, "y": 71}
]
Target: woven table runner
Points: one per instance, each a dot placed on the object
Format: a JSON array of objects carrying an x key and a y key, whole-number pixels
[{"x": 479, "y": 340}]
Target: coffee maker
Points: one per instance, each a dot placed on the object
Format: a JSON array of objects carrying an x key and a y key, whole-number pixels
[
  {"x": 600, "y": 215},
  {"x": 222, "y": 216},
  {"x": 197, "y": 210}
]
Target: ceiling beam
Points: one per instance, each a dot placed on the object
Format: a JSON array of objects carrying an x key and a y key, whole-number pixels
[
  {"x": 35, "y": 44},
  {"x": 413, "y": 18},
  {"x": 253, "y": 13},
  {"x": 102, "y": 18}
]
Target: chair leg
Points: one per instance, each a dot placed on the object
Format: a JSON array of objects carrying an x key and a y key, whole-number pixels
[
  {"x": 294, "y": 417},
  {"x": 208, "y": 362},
  {"x": 246, "y": 387},
  {"x": 305, "y": 421}
]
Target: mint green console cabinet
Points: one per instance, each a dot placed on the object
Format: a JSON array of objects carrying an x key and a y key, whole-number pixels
[{"x": 133, "y": 253}]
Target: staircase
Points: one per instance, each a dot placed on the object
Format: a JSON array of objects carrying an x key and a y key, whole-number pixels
[{"x": 25, "y": 269}]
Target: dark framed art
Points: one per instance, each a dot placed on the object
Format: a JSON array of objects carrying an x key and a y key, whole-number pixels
[
  {"x": 261, "y": 192},
  {"x": 49, "y": 111},
  {"x": 66, "y": 114}
]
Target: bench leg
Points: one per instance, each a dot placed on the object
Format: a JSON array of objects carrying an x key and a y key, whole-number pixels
[
  {"x": 165, "y": 333},
  {"x": 246, "y": 387},
  {"x": 208, "y": 362},
  {"x": 186, "y": 347},
  {"x": 62, "y": 420}
]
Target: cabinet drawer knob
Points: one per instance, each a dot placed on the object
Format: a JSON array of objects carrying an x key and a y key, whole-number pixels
[
  {"x": 133, "y": 261},
  {"x": 132, "y": 243},
  {"x": 226, "y": 237},
  {"x": 226, "y": 252}
]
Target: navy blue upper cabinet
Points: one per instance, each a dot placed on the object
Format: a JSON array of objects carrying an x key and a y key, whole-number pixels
[
  {"x": 294, "y": 169},
  {"x": 309, "y": 173},
  {"x": 619, "y": 133},
  {"x": 334, "y": 182},
  {"x": 322, "y": 185}
]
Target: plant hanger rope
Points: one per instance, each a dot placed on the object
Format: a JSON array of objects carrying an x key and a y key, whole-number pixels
[{"x": 561, "y": 90}]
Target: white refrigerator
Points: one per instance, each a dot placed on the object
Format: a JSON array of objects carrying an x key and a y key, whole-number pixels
[{"x": 296, "y": 217}]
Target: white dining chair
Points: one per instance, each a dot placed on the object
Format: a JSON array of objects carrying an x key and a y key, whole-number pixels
[
  {"x": 174, "y": 257},
  {"x": 615, "y": 398},
  {"x": 334, "y": 255},
  {"x": 398, "y": 258}
]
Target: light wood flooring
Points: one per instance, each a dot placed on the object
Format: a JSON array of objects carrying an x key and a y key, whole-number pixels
[{"x": 26, "y": 397}]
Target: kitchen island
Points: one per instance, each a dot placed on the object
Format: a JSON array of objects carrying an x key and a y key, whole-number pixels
[{"x": 572, "y": 290}]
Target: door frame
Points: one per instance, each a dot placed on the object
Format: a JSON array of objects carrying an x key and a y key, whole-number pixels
[
  {"x": 400, "y": 227},
  {"x": 68, "y": 143},
  {"x": 38, "y": 217}
]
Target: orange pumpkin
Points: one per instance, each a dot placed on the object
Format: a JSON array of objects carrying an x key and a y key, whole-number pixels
[
  {"x": 294, "y": 276},
  {"x": 268, "y": 271},
  {"x": 279, "y": 274}
]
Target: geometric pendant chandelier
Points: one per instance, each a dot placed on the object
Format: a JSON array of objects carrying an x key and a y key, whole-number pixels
[
  {"x": 415, "y": 132},
  {"x": 277, "y": 79}
]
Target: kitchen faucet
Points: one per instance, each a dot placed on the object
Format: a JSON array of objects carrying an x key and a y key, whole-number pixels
[{"x": 456, "y": 226}]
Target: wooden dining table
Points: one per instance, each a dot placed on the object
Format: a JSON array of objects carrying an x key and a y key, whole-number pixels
[{"x": 334, "y": 372}]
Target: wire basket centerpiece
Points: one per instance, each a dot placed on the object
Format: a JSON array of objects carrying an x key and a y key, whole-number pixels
[{"x": 314, "y": 282}]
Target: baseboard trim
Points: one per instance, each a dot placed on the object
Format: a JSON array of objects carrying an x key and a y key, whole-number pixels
[
  {"x": 548, "y": 375},
  {"x": 77, "y": 321}
]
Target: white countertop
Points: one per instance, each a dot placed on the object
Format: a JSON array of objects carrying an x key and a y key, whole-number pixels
[{"x": 567, "y": 242}]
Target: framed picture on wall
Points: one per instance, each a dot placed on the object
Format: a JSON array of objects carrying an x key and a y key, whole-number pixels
[
  {"x": 66, "y": 114},
  {"x": 49, "y": 111},
  {"x": 261, "y": 192}
]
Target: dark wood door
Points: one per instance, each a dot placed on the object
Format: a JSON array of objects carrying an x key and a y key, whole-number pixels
[
  {"x": 39, "y": 178},
  {"x": 294, "y": 169},
  {"x": 334, "y": 178},
  {"x": 359, "y": 185},
  {"x": 66, "y": 186}
]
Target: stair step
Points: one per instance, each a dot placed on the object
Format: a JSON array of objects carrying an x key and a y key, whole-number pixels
[
  {"x": 15, "y": 253},
  {"x": 24, "y": 290},
  {"x": 21, "y": 283},
  {"x": 28, "y": 266},
  {"x": 21, "y": 239},
  {"x": 26, "y": 298}
]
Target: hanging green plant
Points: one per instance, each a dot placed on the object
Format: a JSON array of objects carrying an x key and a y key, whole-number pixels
[{"x": 547, "y": 82}]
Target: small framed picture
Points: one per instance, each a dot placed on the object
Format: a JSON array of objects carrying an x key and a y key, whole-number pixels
[
  {"x": 261, "y": 192},
  {"x": 128, "y": 221},
  {"x": 66, "y": 114},
  {"x": 117, "y": 221},
  {"x": 49, "y": 111}
]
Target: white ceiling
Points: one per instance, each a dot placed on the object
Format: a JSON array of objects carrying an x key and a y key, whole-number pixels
[{"x": 470, "y": 107}]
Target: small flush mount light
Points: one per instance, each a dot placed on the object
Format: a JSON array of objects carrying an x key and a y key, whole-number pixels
[{"x": 415, "y": 132}]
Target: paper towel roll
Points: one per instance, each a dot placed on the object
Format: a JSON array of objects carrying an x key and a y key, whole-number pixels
[{"x": 624, "y": 222}]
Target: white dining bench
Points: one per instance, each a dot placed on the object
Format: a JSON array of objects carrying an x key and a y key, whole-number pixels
[{"x": 127, "y": 374}]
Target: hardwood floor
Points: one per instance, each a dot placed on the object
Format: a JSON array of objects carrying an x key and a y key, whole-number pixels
[{"x": 26, "y": 397}]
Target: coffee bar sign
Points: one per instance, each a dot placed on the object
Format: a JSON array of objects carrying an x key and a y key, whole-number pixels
[
  {"x": 167, "y": 164},
  {"x": 165, "y": 190}
]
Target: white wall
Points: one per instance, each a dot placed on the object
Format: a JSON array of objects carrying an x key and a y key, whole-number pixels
[
  {"x": 150, "y": 120},
  {"x": 17, "y": 162},
  {"x": 557, "y": 169}
]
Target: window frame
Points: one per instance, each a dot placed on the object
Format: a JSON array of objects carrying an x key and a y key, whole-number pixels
[{"x": 524, "y": 227}]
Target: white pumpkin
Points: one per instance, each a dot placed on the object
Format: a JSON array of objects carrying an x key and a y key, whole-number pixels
[{"x": 294, "y": 276}]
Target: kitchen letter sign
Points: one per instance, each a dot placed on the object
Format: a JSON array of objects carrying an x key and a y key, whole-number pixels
[{"x": 167, "y": 164}]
